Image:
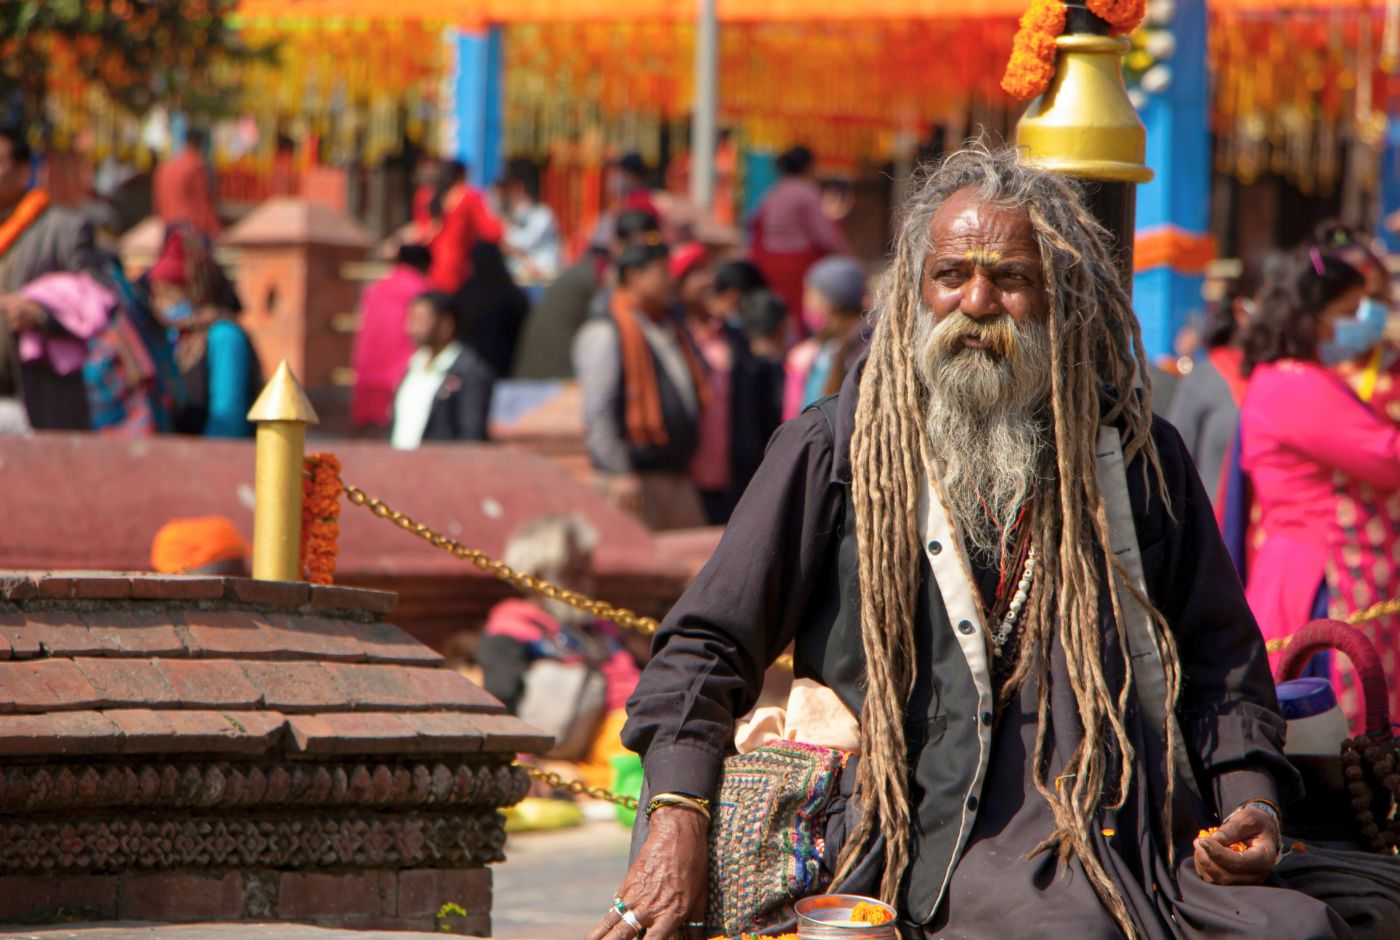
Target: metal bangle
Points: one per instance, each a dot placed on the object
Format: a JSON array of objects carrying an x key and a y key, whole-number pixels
[
  {"x": 677, "y": 799},
  {"x": 1268, "y": 806}
]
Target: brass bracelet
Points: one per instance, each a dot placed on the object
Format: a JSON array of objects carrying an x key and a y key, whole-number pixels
[{"x": 679, "y": 799}]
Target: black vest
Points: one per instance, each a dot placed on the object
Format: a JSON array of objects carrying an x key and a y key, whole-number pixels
[{"x": 941, "y": 725}]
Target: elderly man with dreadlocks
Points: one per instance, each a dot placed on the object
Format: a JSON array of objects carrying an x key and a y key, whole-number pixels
[{"x": 933, "y": 543}]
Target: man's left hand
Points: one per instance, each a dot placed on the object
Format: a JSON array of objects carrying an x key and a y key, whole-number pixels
[{"x": 1219, "y": 864}]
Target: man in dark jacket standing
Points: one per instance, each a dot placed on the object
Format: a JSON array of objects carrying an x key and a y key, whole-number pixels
[{"x": 446, "y": 393}]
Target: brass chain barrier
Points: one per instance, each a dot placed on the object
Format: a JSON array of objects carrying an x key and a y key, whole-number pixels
[
  {"x": 1374, "y": 612},
  {"x": 529, "y": 583},
  {"x": 621, "y": 616},
  {"x": 579, "y": 788}
]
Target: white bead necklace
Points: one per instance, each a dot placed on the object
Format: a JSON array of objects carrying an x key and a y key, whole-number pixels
[{"x": 1018, "y": 603}]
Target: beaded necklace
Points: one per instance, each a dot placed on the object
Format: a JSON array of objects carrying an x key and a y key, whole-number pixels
[{"x": 1018, "y": 603}]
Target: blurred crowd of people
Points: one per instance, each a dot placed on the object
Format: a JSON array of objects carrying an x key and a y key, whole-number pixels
[
  {"x": 688, "y": 352},
  {"x": 83, "y": 346}
]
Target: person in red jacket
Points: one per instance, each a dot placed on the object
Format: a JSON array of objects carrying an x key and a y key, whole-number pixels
[{"x": 465, "y": 220}]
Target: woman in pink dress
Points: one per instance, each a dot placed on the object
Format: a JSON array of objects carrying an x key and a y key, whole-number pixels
[{"x": 1305, "y": 437}]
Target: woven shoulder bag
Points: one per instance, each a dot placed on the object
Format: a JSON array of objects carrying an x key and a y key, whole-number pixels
[{"x": 766, "y": 835}]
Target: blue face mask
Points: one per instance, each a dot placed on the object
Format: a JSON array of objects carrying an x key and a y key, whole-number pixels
[
  {"x": 179, "y": 313},
  {"x": 1352, "y": 336},
  {"x": 1374, "y": 314}
]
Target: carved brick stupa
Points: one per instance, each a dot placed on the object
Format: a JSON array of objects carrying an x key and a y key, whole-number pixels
[{"x": 179, "y": 748}]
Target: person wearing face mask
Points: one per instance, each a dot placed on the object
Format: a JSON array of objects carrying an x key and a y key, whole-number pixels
[
  {"x": 1375, "y": 373},
  {"x": 1305, "y": 439},
  {"x": 833, "y": 304},
  {"x": 219, "y": 371}
]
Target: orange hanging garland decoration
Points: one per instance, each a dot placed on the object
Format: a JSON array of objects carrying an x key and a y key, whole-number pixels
[
  {"x": 1032, "y": 63},
  {"x": 29, "y": 209},
  {"x": 320, "y": 518}
]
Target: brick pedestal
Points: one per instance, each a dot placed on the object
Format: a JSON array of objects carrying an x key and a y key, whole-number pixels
[{"x": 196, "y": 749}]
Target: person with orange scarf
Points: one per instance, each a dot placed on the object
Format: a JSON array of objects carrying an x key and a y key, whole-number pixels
[{"x": 644, "y": 386}]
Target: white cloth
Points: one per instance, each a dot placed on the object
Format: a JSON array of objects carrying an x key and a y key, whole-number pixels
[
  {"x": 534, "y": 231},
  {"x": 14, "y": 422},
  {"x": 414, "y": 400}
]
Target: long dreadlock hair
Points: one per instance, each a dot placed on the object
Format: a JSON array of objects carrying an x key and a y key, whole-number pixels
[{"x": 1095, "y": 342}]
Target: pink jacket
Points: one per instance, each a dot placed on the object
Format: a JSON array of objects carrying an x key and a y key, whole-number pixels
[
  {"x": 382, "y": 347},
  {"x": 81, "y": 305},
  {"x": 526, "y": 623},
  {"x": 1302, "y": 432}
]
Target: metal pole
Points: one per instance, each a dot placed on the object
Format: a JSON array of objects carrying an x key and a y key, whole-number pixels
[
  {"x": 703, "y": 123},
  {"x": 281, "y": 414}
]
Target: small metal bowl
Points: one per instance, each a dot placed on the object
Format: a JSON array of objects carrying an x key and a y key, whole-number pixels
[{"x": 828, "y": 917}]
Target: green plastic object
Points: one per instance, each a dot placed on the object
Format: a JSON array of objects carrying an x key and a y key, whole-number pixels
[{"x": 627, "y": 781}]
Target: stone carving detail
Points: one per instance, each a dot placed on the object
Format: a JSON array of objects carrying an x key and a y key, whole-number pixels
[
  {"x": 399, "y": 840},
  {"x": 68, "y": 787}
]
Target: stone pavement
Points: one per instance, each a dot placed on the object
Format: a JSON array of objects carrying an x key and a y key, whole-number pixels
[{"x": 555, "y": 886}]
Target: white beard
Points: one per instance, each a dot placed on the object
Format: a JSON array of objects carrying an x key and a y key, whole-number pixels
[{"x": 985, "y": 420}]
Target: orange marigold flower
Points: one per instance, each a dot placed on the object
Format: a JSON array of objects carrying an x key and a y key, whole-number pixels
[
  {"x": 1122, "y": 16},
  {"x": 870, "y": 914},
  {"x": 1235, "y": 846},
  {"x": 1032, "y": 63}
]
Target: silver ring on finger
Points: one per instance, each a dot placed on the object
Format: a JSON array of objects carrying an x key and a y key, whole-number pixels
[{"x": 630, "y": 919}]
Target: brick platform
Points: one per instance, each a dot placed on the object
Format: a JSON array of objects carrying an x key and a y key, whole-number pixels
[{"x": 214, "y": 749}]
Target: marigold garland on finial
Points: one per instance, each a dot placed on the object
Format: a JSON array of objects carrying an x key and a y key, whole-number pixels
[
  {"x": 1032, "y": 63},
  {"x": 320, "y": 518}
]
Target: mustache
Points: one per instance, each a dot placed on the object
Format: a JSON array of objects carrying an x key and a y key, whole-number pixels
[{"x": 998, "y": 334}]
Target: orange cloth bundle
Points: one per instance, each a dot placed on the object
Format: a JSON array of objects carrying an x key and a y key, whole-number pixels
[{"x": 188, "y": 544}]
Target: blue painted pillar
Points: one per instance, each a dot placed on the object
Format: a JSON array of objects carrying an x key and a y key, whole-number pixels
[
  {"x": 760, "y": 173},
  {"x": 477, "y": 89},
  {"x": 1173, "y": 211},
  {"x": 1390, "y": 185}
]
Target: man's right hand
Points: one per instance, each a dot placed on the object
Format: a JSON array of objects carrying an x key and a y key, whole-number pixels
[{"x": 667, "y": 887}]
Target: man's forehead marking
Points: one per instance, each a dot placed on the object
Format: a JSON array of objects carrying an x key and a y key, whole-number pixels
[{"x": 982, "y": 256}]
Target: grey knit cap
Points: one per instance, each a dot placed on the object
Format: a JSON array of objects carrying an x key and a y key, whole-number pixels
[{"x": 841, "y": 280}]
